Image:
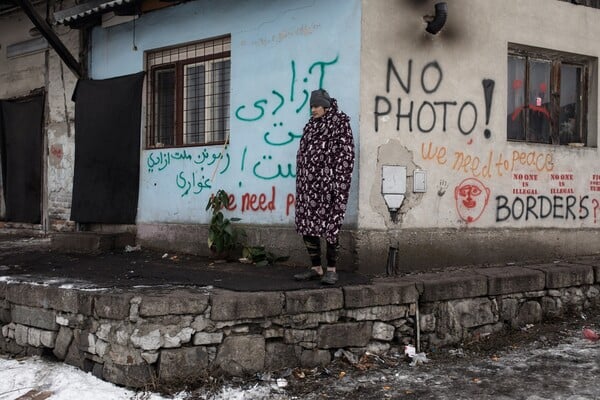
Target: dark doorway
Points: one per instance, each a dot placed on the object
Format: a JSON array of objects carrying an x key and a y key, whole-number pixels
[
  {"x": 21, "y": 122},
  {"x": 107, "y": 149}
]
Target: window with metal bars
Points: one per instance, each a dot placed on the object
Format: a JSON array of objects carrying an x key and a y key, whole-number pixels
[
  {"x": 188, "y": 90},
  {"x": 547, "y": 98}
]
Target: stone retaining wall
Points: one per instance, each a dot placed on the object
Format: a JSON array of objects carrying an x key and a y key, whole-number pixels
[{"x": 140, "y": 336}]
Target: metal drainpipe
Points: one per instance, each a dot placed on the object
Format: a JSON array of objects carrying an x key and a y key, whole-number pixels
[
  {"x": 391, "y": 268},
  {"x": 417, "y": 328}
]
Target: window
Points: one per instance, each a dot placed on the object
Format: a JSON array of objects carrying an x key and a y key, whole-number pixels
[
  {"x": 547, "y": 97},
  {"x": 187, "y": 99}
]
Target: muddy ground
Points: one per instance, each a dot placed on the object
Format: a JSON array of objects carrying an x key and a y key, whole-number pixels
[
  {"x": 551, "y": 360},
  {"x": 546, "y": 361}
]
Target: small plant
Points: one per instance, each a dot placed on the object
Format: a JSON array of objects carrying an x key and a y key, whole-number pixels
[
  {"x": 222, "y": 235},
  {"x": 260, "y": 257}
]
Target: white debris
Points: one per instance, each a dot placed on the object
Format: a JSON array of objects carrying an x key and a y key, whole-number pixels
[{"x": 129, "y": 249}]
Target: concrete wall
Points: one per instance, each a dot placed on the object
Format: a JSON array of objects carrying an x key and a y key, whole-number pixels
[
  {"x": 136, "y": 337},
  {"x": 19, "y": 75},
  {"x": 44, "y": 69},
  {"x": 350, "y": 46},
  {"x": 442, "y": 76},
  {"x": 280, "y": 51},
  {"x": 60, "y": 131}
]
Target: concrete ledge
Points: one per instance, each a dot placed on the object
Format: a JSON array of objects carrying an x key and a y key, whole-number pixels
[
  {"x": 112, "y": 305},
  {"x": 174, "y": 302},
  {"x": 564, "y": 275},
  {"x": 43, "y": 296},
  {"x": 310, "y": 301},
  {"x": 505, "y": 280},
  {"x": 227, "y": 305},
  {"x": 134, "y": 336},
  {"x": 421, "y": 249},
  {"x": 190, "y": 332},
  {"x": 36, "y": 317},
  {"x": 593, "y": 262},
  {"x": 382, "y": 292},
  {"x": 449, "y": 285}
]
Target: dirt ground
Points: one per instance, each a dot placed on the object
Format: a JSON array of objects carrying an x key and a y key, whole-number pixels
[{"x": 545, "y": 361}]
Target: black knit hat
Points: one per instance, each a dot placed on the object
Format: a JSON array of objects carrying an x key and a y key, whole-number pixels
[{"x": 320, "y": 97}]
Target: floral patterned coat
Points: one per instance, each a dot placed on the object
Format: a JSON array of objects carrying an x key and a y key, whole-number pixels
[{"x": 324, "y": 165}]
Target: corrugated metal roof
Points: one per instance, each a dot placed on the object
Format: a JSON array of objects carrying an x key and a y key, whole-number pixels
[{"x": 88, "y": 9}]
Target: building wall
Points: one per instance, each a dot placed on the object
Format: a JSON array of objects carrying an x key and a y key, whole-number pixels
[
  {"x": 44, "y": 69},
  {"x": 22, "y": 74},
  {"x": 450, "y": 135},
  {"x": 450, "y": 68},
  {"x": 281, "y": 51},
  {"x": 454, "y": 135},
  {"x": 60, "y": 131}
]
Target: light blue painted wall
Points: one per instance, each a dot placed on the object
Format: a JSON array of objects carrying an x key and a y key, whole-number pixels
[{"x": 274, "y": 46}]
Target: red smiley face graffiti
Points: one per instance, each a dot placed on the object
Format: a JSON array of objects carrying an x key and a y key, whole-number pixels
[{"x": 471, "y": 197}]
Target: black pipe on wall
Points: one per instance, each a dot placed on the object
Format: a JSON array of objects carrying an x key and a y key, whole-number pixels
[{"x": 439, "y": 20}]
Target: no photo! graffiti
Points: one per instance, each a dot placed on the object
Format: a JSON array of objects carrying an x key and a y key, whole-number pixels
[{"x": 428, "y": 115}]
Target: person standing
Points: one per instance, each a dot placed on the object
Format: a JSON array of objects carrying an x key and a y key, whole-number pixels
[{"x": 324, "y": 165}]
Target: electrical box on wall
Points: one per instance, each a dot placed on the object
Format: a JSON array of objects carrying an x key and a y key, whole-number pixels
[
  {"x": 419, "y": 181},
  {"x": 393, "y": 187},
  {"x": 393, "y": 179}
]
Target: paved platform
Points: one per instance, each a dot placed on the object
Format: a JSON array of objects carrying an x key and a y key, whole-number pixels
[{"x": 33, "y": 259}]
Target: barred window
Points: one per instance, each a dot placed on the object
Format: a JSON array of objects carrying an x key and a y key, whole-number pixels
[
  {"x": 547, "y": 97},
  {"x": 187, "y": 99}
]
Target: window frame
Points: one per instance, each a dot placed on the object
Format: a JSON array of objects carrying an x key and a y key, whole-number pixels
[
  {"x": 556, "y": 60},
  {"x": 211, "y": 98},
  {"x": 178, "y": 64}
]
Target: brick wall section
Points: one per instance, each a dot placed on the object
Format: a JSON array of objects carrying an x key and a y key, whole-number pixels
[{"x": 136, "y": 336}]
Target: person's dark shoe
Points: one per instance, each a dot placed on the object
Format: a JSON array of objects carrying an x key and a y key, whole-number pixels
[
  {"x": 329, "y": 278},
  {"x": 307, "y": 276}
]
